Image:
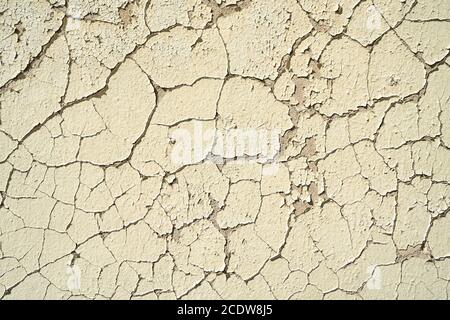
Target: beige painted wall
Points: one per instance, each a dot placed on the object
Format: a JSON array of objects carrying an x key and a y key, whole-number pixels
[{"x": 227, "y": 149}]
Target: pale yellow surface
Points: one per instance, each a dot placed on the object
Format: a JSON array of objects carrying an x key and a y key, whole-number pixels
[{"x": 116, "y": 176}]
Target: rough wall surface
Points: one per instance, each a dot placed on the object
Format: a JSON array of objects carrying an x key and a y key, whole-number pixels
[{"x": 224, "y": 149}]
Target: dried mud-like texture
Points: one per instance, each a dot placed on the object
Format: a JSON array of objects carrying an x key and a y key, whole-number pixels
[{"x": 351, "y": 200}]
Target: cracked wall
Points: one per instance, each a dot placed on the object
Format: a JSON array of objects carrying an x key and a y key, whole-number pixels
[{"x": 224, "y": 149}]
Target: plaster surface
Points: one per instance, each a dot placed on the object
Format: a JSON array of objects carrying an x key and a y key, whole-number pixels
[{"x": 224, "y": 149}]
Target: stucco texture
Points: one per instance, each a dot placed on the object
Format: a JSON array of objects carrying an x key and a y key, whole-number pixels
[{"x": 224, "y": 149}]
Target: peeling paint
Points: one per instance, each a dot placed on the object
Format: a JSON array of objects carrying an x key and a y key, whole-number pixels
[{"x": 227, "y": 149}]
